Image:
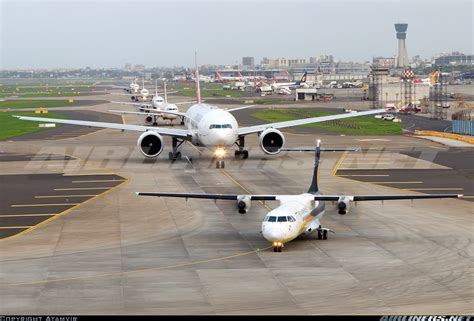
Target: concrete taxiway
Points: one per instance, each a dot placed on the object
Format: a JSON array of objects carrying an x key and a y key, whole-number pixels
[{"x": 119, "y": 253}]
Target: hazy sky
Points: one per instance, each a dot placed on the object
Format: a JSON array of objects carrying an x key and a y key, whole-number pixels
[{"x": 42, "y": 34}]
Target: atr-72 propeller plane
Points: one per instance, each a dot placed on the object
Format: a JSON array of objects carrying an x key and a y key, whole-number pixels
[
  {"x": 207, "y": 126},
  {"x": 297, "y": 214}
]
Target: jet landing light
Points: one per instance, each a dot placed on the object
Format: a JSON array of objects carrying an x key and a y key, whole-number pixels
[{"x": 220, "y": 152}]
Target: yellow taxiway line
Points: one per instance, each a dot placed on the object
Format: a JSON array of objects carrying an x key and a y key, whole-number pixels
[
  {"x": 339, "y": 163},
  {"x": 242, "y": 187},
  {"x": 124, "y": 273},
  {"x": 13, "y": 227},
  {"x": 66, "y": 211}
]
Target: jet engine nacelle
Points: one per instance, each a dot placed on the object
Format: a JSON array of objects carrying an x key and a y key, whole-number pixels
[
  {"x": 243, "y": 203},
  {"x": 150, "y": 144},
  {"x": 149, "y": 120},
  {"x": 272, "y": 141},
  {"x": 343, "y": 205}
]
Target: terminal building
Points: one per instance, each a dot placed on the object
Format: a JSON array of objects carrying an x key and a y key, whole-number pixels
[{"x": 456, "y": 58}]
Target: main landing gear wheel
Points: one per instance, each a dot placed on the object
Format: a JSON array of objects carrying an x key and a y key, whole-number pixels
[
  {"x": 174, "y": 156},
  {"x": 245, "y": 153},
  {"x": 220, "y": 164}
]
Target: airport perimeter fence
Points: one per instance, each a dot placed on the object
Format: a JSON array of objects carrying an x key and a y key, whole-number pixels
[{"x": 463, "y": 122}]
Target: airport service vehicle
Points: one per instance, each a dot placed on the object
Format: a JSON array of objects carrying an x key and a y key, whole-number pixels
[
  {"x": 297, "y": 214},
  {"x": 284, "y": 91},
  {"x": 391, "y": 107},
  {"x": 410, "y": 108},
  {"x": 207, "y": 126},
  {"x": 389, "y": 117}
]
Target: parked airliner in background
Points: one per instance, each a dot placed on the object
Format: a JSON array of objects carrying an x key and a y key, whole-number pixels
[
  {"x": 297, "y": 214},
  {"x": 293, "y": 84},
  {"x": 207, "y": 126}
]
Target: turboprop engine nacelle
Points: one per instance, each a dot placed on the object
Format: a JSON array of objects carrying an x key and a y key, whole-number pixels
[
  {"x": 343, "y": 205},
  {"x": 150, "y": 144},
  {"x": 272, "y": 141},
  {"x": 243, "y": 203}
]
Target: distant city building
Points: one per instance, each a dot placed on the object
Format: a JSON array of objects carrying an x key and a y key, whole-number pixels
[
  {"x": 326, "y": 65},
  {"x": 388, "y": 62},
  {"x": 354, "y": 68},
  {"x": 139, "y": 68},
  {"x": 283, "y": 62},
  {"x": 128, "y": 67},
  {"x": 248, "y": 62},
  {"x": 455, "y": 58}
]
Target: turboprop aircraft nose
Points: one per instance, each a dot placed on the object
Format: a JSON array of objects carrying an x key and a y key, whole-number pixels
[{"x": 273, "y": 234}]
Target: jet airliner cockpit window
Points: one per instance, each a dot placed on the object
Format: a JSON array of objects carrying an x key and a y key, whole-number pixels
[
  {"x": 272, "y": 219},
  {"x": 220, "y": 126},
  {"x": 291, "y": 219},
  {"x": 282, "y": 219}
]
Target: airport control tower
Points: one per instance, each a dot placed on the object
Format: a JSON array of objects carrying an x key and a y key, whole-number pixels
[{"x": 402, "y": 58}]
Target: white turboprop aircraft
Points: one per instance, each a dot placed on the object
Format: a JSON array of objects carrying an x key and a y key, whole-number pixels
[
  {"x": 155, "y": 109},
  {"x": 297, "y": 214},
  {"x": 207, "y": 126}
]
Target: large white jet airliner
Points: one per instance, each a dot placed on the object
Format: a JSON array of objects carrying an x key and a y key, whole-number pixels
[
  {"x": 207, "y": 126},
  {"x": 297, "y": 214}
]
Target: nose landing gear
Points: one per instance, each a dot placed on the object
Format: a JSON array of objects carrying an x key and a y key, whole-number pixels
[
  {"x": 220, "y": 163},
  {"x": 277, "y": 246},
  {"x": 322, "y": 234}
]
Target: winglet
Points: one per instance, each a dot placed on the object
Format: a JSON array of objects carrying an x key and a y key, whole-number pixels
[
  {"x": 313, "y": 188},
  {"x": 198, "y": 90}
]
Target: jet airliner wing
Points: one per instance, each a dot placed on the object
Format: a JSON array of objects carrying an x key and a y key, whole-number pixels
[
  {"x": 181, "y": 133},
  {"x": 304, "y": 121}
]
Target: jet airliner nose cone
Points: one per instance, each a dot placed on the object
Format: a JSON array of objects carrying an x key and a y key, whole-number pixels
[
  {"x": 273, "y": 234},
  {"x": 222, "y": 138}
]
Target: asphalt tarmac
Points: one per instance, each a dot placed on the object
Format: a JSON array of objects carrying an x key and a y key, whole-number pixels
[{"x": 124, "y": 254}]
